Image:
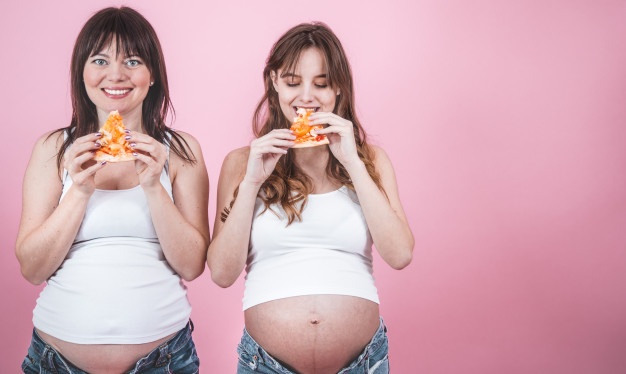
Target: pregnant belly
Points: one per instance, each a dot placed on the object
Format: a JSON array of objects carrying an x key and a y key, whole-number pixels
[{"x": 314, "y": 334}]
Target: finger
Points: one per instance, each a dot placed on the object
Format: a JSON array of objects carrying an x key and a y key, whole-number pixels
[{"x": 83, "y": 175}]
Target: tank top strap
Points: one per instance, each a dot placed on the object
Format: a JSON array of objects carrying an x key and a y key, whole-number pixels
[
  {"x": 168, "y": 141},
  {"x": 65, "y": 173}
]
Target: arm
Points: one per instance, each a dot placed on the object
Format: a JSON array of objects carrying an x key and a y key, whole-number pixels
[
  {"x": 181, "y": 225},
  {"x": 48, "y": 227},
  {"x": 247, "y": 168},
  {"x": 385, "y": 217}
]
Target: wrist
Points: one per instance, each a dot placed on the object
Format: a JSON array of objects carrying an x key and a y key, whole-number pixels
[
  {"x": 355, "y": 166},
  {"x": 249, "y": 186}
]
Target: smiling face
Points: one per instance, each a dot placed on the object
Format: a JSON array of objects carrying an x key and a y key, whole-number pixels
[
  {"x": 306, "y": 86},
  {"x": 114, "y": 81}
]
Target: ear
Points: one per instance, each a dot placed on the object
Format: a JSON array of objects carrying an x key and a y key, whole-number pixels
[
  {"x": 274, "y": 79},
  {"x": 338, "y": 92}
]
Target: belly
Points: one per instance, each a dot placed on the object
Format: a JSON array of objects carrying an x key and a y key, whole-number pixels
[
  {"x": 314, "y": 334},
  {"x": 102, "y": 358}
]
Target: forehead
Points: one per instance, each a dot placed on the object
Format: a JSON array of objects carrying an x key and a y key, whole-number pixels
[
  {"x": 114, "y": 45},
  {"x": 310, "y": 62}
]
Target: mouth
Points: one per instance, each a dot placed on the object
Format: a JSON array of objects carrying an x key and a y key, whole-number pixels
[
  {"x": 305, "y": 109},
  {"x": 118, "y": 92}
]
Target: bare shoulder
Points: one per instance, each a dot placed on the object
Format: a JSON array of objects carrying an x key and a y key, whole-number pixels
[
  {"x": 380, "y": 157},
  {"x": 51, "y": 141},
  {"x": 237, "y": 156},
  {"x": 234, "y": 168},
  {"x": 191, "y": 143},
  {"x": 43, "y": 159}
]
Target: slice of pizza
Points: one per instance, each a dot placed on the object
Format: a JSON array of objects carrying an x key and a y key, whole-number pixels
[
  {"x": 304, "y": 132},
  {"x": 114, "y": 146}
]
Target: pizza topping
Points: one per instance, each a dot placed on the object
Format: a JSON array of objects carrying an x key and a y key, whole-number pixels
[
  {"x": 304, "y": 132},
  {"x": 113, "y": 144}
]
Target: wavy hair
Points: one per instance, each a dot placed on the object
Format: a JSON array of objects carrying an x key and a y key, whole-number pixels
[
  {"x": 288, "y": 185},
  {"x": 134, "y": 36}
]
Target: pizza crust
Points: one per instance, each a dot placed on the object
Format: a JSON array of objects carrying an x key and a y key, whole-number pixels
[{"x": 311, "y": 143}]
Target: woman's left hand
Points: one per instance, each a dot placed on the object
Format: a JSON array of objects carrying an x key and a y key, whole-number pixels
[
  {"x": 150, "y": 158},
  {"x": 340, "y": 134}
]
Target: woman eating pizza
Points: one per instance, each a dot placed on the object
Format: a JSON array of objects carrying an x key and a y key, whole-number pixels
[
  {"x": 114, "y": 238},
  {"x": 301, "y": 216}
]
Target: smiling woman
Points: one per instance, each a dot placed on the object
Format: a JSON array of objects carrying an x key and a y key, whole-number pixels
[
  {"x": 114, "y": 81},
  {"x": 114, "y": 299}
]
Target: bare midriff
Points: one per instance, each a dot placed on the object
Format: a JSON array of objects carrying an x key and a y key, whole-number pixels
[
  {"x": 102, "y": 358},
  {"x": 315, "y": 334}
]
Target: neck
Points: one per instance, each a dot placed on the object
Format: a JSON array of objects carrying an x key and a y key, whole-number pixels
[{"x": 312, "y": 161}]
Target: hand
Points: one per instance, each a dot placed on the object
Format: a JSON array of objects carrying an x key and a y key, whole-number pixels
[
  {"x": 79, "y": 163},
  {"x": 150, "y": 157},
  {"x": 265, "y": 153},
  {"x": 340, "y": 134}
]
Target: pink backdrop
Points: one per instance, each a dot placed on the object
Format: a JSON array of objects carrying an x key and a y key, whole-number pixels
[{"x": 506, "y": 125}]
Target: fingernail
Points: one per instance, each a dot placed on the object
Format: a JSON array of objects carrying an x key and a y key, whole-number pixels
[
  {"x": 103, "y": 162},
  {"x": 127, "y": 137},
  {"x": 133, "y": 145},
  {"x": 127, "y": 131},
  {"x": 98, "y": 134},
  {"x": 98, "y": 145},
  {"x": 135, "y": 154}
]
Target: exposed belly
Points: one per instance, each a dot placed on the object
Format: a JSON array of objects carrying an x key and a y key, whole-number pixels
[
  {"x": 314, "y": 334},
  {"x": 102, "y": 358}
]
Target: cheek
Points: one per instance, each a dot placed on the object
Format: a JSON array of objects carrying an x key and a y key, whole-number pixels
[
  {"x": 142, "y": 78},
  {"x": 90, "y": 77},
  {"x": 330, "y": 100}
]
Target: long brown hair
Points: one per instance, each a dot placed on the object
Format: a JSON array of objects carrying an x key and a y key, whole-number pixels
[
  {"x": 288, "y": 185},
  {"x": 134, "y": 36}
]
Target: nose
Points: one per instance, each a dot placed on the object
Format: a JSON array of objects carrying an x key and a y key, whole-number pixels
[
  {"x": 116, "y": 72},
  {"x": 307, "y": 93}
]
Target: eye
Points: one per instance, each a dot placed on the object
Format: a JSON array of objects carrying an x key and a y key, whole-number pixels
[
  {"x": 324, "y": 85},
  {"x": 289, "y": 84},
  {"x": 132, "y": 63},
  {"x": 99, "y": 61}
]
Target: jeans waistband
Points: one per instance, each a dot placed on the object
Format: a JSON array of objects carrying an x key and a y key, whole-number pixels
[
  {"x": 156, "y": 358},
  {"x": 162, "y": 354}
]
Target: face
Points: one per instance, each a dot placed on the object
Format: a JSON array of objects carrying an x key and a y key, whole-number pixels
[
  {"x": 116, "y": 82},
  {"x": 306, "y": 87}
]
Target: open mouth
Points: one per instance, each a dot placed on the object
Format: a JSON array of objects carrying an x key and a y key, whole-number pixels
[{"x": 314, "y": 109}]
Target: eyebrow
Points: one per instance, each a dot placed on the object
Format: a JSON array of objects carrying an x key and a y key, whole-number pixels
[{"x": 99, "y": 54}]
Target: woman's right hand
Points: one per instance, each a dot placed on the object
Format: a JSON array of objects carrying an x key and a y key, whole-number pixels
[
  {"x": 79, "y": 163},
  {"x": 265, "y": 153}
]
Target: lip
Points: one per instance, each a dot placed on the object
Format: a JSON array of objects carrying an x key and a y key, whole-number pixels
[{"x": 116, "y": 93}]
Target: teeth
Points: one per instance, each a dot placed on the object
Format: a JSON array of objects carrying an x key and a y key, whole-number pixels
[
  {"x": 305, "y": 108},
  {"x": 116, "y": 92}
]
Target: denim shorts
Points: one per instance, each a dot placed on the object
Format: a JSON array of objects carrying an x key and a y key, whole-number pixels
[
  {"x": 373, "y": 360},
  {"x": 177, "y": 355}
]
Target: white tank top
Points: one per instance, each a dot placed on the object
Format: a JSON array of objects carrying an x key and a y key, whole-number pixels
[
  {"x": 114, "y": 286},
  {"x": 328, "y": 252}
]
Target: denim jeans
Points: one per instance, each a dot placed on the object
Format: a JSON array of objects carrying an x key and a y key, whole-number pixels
[
  {"x": 373, "y": 360},
  {"x": 177, "y": 355}
]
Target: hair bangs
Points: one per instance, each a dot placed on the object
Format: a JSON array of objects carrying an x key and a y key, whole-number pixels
[{"x": 127, "y": 35}]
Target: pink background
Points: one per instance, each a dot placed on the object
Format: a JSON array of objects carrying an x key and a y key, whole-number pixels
[{"x": 506, "y": 125}]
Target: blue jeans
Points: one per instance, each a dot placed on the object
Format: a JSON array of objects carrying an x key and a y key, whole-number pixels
[
  {"x": 373, "y": 360},
  {"x": 177, "y": 355}
]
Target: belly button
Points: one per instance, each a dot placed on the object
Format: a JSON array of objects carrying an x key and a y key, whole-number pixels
[{"x": 315, "y": 322}]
